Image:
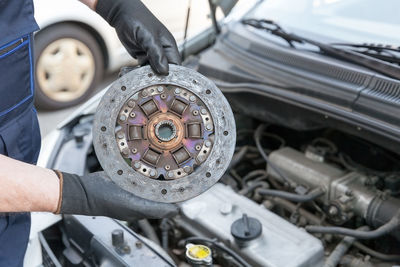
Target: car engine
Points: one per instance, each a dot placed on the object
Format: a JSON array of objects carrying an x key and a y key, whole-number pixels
[
  {"x": 291, "y": 196},
  {"x": 320, "y": 197},
  {"x": 276, "y": 243},
  {"x": 288, "y": 198}
]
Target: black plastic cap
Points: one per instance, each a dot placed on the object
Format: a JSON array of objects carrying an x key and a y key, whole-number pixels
[
  {"x": 246, "y": 229},
  {"x": 117, "y": 238}
]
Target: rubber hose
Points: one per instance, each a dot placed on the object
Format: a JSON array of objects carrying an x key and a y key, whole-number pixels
[
  {"x": 387, "y": 228},
  {"x": 341, "y": 249},
  {"x": 376, "y": 254},
  {"x": 148, "y": 231},
  {"x": 315, "y": 193}
]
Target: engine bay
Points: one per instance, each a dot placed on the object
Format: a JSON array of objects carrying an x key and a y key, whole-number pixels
[{"x": 284, "y": 201}]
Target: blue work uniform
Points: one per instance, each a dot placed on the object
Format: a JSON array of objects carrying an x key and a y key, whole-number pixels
[{"x": 19, "y": 129}]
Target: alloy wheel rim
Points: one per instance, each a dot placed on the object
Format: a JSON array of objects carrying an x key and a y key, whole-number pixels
[{"x": 65, "y": 69}]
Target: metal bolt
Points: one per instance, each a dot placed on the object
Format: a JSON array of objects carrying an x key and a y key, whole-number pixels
[
  {"x": 120, "y": 135},
  {"x": 198, "y": 147},
  {"x": 167, "y": 167},
  {"x": 132, "y": 115},
  {"x": 137, "y": 165},
  {"x": 209, "y": 127},
  {"x": 144, "y": 93},
  {"x": 160, "y": 89},
  {"x": 170, "y": 174},
  {"x": 187, "y": 169},
  {"x": 125, "y": 151},
  {"x": 134, "y": 150},
  {"x": 122, "y": 117},
  {"x": 163, "y": 96},
  {"x": 195, "y": 112},
  {"x": 152, "y": 173},
  {"x": 177, "y": 91},
  {"x": 333, "y": 211},
  {"x": 208, "y": 143},
  {"x": 192, "y": 98},
  {"x": 131, "y": 103},
  {"x": 138, "y": 244},
  {"x": 126, "y": 249},
  {"x": 203, "y": 111}
]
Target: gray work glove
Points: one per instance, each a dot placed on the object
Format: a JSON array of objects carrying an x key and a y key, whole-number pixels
[
  {"x": 96, "y": 195},
  {"x": 142, "y": 34}
]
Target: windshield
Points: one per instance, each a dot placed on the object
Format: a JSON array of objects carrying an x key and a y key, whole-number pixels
[{"x": 350, "y": 21}]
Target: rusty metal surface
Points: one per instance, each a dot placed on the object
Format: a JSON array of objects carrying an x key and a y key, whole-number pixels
[{"x": 164, "y": 138}]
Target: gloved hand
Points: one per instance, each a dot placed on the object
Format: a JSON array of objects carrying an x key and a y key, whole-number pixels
[
  {"x": 96, "y": 195},
  {"x": 142, "y": 34}
]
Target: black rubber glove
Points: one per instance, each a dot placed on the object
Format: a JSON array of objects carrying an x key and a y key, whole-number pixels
[
  {"x": 142, "y": 34},
  {"x": 96, "y": 195}
]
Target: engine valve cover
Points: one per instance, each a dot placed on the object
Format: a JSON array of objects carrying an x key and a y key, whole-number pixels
[{"x": 164, "y": 138}]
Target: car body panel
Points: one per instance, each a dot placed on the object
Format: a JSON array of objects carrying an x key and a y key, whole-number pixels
[
  {"x": 50, "y": 12},
  {"x": 330, "y": 87}
]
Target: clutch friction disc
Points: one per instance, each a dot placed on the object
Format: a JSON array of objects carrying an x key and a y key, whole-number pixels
[{"x": 164, "y": 138}]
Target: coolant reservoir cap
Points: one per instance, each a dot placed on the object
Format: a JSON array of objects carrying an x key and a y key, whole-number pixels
[
  {"x": 198, "y": 254},
  {"x": 246, "y": 228}
]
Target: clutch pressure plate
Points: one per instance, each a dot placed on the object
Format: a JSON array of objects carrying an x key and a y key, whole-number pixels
[{"x": 164, "y": 138}]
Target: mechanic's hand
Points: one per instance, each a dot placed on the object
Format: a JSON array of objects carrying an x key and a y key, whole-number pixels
[
  {"x": 96, "y": 195},
  {"x": 142, "y": 34}
]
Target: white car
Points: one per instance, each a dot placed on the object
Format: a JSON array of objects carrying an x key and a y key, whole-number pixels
[
  {"x": 317, "y": 157},
  {"x": 73, "y": 49}
]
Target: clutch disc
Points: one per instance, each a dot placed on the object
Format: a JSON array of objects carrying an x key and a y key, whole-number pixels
[{"x": 164, "y": 138}]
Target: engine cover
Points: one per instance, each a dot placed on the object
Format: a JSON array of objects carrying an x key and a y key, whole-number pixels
[
  {"x": 280, "y": 243},
  {"x": 164, "y": 138}
]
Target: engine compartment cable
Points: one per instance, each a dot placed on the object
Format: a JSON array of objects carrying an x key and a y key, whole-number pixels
[
  {"x": 238, "y": 156},
  {"x": 257, "y": 135},
  {"x": 253, "y": 186},
  {"x": 376, "y": 254},
  {"x": 388, "y": 227},
  {"x": 340, "y": 250},
  {"x": 148, "y": 231},
  {"x": 313, "y": 194}
]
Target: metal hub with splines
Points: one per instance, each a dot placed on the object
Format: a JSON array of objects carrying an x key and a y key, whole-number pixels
[
  {"x": 164, "y": 138},
  {"x": 165, "y": 131}
]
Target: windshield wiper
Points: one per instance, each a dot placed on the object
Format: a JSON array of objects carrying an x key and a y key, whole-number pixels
[
  {"x": 355, "y": 57},
  {"x": 387, "y": 53}
]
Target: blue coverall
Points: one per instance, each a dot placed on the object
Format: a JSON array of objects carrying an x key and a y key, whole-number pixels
[{"x": 19, "y": 129}]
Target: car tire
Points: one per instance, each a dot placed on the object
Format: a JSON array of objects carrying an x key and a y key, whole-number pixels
[{"x": 69, "y": 64}]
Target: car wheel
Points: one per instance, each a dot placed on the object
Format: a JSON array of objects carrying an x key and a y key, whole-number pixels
[{"x": 69, "y": 65}]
